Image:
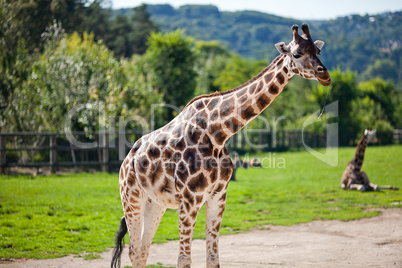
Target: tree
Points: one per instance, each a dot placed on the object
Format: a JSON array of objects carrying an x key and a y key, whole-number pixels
[
  {"x": 80, "y": 80},
  {"x": 129, "y": 36},
  {"x": 238, "y": 71},
  {"x": 385, "y": 69},
  {"x": 96, "y": 19},
  {"x": 22, "y": 24},
  {"x": 343, "y": 89},
  {"x": 119, "y": 41},
  {"x": 171, "y": 62},
  {"x": 142, "y": 28},
  {"x": 211, "y": 61},
  {"x": 383, "y": 93}
]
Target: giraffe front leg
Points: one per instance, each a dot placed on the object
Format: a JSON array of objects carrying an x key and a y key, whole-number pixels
[
  {"x": 214, "y": 214},
  {"x": 356, "y": 186},
  {"x": 187, "y": 218}
]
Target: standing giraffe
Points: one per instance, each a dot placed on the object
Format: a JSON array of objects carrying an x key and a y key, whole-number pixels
[
  {"x": 185, "y": 164},
  {"x": 354, "y": 178}
]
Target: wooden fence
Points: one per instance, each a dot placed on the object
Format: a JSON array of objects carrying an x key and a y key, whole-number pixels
[
  {"x": 70, "y": 150},
  {"x": 106, "y": 151}
]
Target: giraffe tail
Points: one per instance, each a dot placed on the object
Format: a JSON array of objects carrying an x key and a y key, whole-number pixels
[{"x": 118, "y": 250}]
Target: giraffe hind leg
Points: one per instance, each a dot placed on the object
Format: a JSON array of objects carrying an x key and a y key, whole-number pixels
[
  {"x": 133, "y": 201},
  {"x": 152, "y": 217}
]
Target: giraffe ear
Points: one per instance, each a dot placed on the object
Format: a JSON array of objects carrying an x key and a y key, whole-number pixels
[
  {"x": 282, "y": 48},
  {"x": 319, "y": 44},
  {"x": 366, "y": 132}
]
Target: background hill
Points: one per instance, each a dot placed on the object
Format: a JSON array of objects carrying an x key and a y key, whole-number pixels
[{"x": 352, "y": 42}]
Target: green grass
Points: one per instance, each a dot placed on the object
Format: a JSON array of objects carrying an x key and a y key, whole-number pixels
[
  {"x": 92, "y": 257},
  {"x": 53, "y": 216}
]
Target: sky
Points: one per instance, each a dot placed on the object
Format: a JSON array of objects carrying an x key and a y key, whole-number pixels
[{"x": 296, "y": 9}]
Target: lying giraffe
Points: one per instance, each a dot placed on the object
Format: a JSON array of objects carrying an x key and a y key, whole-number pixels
[
  {"x": 238, "y": 163},
  {"x": 354, "y": 178},
  {"x": 185, "y": 164}
]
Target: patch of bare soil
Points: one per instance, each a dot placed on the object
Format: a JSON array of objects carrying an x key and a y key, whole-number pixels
[{"x": 371, "y": 242}]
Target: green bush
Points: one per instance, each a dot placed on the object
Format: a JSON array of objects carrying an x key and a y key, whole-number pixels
[{"x": 384, "y": 132}]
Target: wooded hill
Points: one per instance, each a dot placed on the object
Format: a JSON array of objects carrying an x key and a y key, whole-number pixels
[{"x": 352, "y": 42}]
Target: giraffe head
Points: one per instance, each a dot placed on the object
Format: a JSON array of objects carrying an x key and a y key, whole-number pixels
[
  {"x": 303, "y": 55},
  {"x": 370, "y": 135}
]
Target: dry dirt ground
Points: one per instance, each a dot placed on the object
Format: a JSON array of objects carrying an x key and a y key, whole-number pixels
[{"x": 372, "y": 242}]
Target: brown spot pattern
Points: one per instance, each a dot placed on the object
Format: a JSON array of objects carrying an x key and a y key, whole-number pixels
[
  {"x": 193, "y": 161},
  {"x": 233, "y": 125},
  {"x": 136, "y": 146},
  {"x": 193, "y": 135},
  {"x": 143, "y": 164},
  {"x": 198, "y": 184},
  {"x": 260, "y": 86},
  {"x": 156, "y": 172},
  {"x": 201, "y": 119},
  {"x": 131, "y": 179},
  {"x": 280, "y": 78},
  {"x": 161, "y": 140},
  {"x": 212, "y": 104},
  {"x": 217, "y": 132},
  {"x": 177, "y": 131},
  {"x": 227, "y": 107},
  {"x": 273, "y": 89},
  {"x": 177, "y": 144},
  {"x": 205, "y": 147},
  {"x": 262, "y": 101},
  {"x": 182, "y": 172},
  {"x": 199, "y": 105},
  {"x": 268, "y": 77},
  {"x": 252, "y": 88},
  {"x": 248, "y": 113},
  {"x": 153, "y": 151},
  {"x": 243, "y": 99},
  {"x": 165, "y": 187}
]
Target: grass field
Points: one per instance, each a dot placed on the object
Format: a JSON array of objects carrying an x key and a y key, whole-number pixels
[{"x": 52, "y": 216}]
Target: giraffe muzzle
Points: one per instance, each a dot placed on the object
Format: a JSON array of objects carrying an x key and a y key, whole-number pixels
[{"x": 325, "y": 82}]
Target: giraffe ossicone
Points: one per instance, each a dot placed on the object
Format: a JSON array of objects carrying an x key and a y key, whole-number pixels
[{"x": 185, "y": 165}]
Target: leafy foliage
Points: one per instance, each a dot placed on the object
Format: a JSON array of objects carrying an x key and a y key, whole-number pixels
[
  {"x": 77, "y": 80},
  {"x": 171, "y": 62},
  {"x": 129, "y": 36}
]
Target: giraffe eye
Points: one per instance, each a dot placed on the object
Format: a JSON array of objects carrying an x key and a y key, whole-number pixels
[{"x": 297, "y": 55}]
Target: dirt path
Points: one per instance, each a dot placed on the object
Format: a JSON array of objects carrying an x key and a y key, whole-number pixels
[{"x": 373, "y": 242}]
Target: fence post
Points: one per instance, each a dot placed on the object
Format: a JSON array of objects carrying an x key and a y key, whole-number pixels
[
  {"x": 2, "y": 154},
  {"x": 105, "y": 152},
  {"x": 53, "y": 153}
]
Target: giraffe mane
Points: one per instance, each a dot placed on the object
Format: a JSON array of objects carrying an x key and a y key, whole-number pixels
[{"x": 222, "y": 93}]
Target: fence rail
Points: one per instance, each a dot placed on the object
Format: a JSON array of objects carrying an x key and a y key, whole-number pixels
[{"x": 106, "y": 151}]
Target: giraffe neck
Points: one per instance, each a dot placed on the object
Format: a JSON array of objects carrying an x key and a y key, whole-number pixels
[
  {"x": 359, "y": 155},
  {"x": 222, "y": 114},
  {"x": 249, "y": 100}
]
